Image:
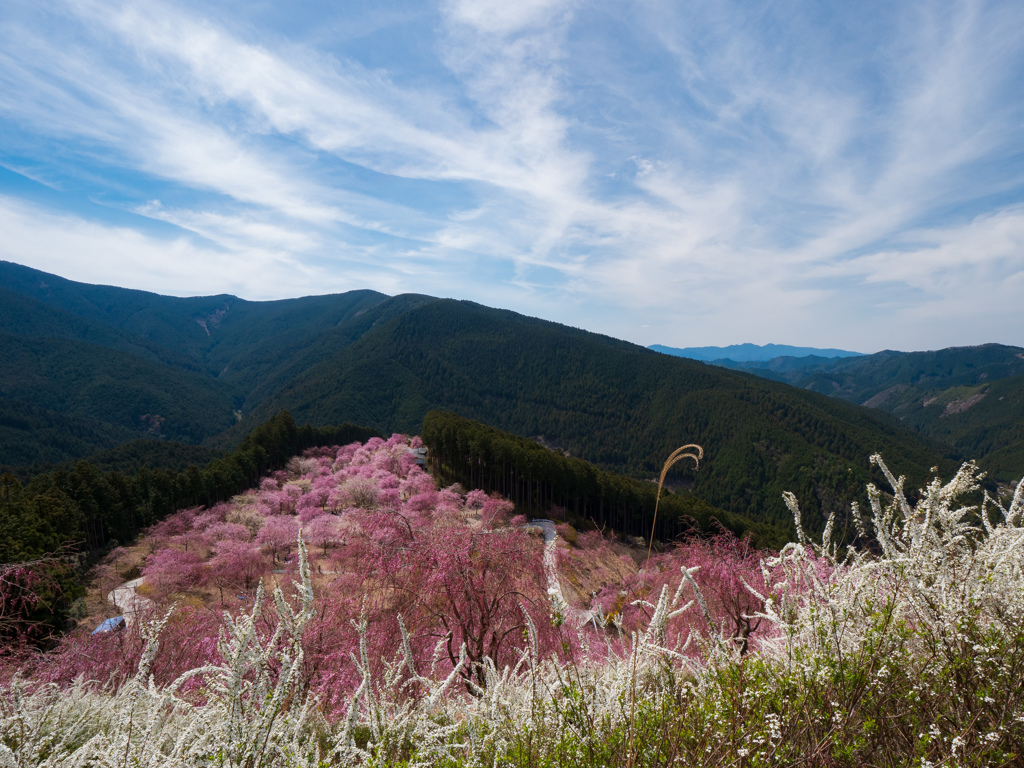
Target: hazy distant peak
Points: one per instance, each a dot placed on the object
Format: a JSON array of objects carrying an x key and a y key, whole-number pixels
[{"x": 750, "y": 352}]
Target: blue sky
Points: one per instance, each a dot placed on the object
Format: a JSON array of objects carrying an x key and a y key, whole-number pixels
[{"x": 686, "y": 173}]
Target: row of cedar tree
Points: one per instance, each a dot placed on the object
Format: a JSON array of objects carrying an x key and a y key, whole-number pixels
[
  {"x": 537, "y": 479},
  {"x": 83, "y": 512}
]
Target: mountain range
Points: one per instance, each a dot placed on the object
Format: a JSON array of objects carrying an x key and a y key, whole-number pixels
[
  {"x": 971, "y": 398},
  {"x": 90, "y": 368},
  {"x": 749, "y": 352}
]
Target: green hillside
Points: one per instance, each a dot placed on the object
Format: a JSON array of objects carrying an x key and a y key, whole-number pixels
[
  {"x": 35, "y": 436},
  {"x": 538, "y": 480},
  {"x": 864, "y": 378},
  {"x": 609, "y": 402},
  {"x": 131, "y": 457},
  {"x": 182, "y": 360},
  {"x": 258, "y": 372},
  {"x": 115, "y": 387},
  {"x": 166, "y": 322},
  {"x": 985, "y": 420},
  {"x": 134, "y": 364},
  {"x": 971, "y": 398}
]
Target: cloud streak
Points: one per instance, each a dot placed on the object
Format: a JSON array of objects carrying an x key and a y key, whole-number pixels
[{"x": 738, "y": 172}]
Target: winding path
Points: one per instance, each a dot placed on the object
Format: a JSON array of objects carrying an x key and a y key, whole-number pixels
[
  {"x": 573, "y": 616},
  {"x": 547, "y": 526},
  {"x": 130, "y": 602}
]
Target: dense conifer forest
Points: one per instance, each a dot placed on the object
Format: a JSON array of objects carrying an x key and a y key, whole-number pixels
[
  {"x": 93, "y": 367},
  {"x": 538, "y": 480}
]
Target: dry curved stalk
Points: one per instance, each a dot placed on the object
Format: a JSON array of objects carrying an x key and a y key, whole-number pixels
[{"x": 674, "y": 458}]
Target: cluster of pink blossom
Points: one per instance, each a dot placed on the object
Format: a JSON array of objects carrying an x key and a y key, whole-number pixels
[
  {"x": 464, "y": 574},
  {"x": 327, "y": 493},
  {"x": 724, "y": 567},
  {"x": 383, "y": 541}
]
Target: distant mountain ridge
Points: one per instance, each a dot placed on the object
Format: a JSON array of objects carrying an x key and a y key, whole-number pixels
[
  {"x": 969, "y": 397},
  {"x": 749, "y": 352}
]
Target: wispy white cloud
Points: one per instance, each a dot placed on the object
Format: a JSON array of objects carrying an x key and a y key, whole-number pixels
[
  {"x": 92, "y": 252},
  {"x": 719, "y": 173},
  {"x": 498, "y": 18}
]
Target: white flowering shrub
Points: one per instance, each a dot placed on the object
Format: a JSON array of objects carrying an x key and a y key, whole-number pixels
[{"x": 908, "y": 653}]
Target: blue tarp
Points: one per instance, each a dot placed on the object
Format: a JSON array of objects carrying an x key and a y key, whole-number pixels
[{"x": 110, "y": 625}]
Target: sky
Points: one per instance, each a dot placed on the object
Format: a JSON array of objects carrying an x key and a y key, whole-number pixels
[{"x": 827, "y": 174}]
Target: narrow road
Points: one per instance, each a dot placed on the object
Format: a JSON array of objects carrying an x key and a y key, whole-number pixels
[
  {"x": 130, "y": 602},
  {"x": 548, "y": 526},
  {"x": 573, "y": 616}
]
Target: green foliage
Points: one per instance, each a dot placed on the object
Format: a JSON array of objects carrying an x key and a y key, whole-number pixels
[
  {"x": 535, "y": 479},
  {"x": 35, "y": 436},
  {"x": 27, "y": 317},
  {"x": 969, "y": 397},
  {"x": 152, "y": 454},
  {"x": 386, "y": 362},
  {"x": 113, "y": 387}
]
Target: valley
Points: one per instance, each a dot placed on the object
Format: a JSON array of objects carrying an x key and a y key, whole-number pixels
[
  {"x": 971, "y": 398},
  {"x": 119, "y": 365}
]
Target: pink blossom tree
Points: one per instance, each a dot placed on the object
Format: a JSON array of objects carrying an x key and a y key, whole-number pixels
[
  {"x": 727, "y": 566},
  {"x": 221, "y": 531},
  {"x": 236, "y": 564},
  {"x": 463, "y": 587},
  {"x": 496, "y": 511},
  {"x": 191, "y": 538},
  {"x": 172, "y": 570},
  {"x": 323, "y": 531},
  {"x": 278, "y": 535}
]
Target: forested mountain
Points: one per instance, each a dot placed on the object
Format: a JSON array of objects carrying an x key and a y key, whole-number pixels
[
  {"x": 171, "y": 367},
  {"x": 113, "y": 387},
  {"x": 222, "y": 336},
  {"x": 607, "y": 401},
  {"x": 969, "y": 397},
  {"x": 114, "y": 364}
]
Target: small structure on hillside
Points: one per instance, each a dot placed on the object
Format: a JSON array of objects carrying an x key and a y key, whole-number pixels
[
  {"x": 111, "y": 625},
  {"x": 420, "y": 455}
]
